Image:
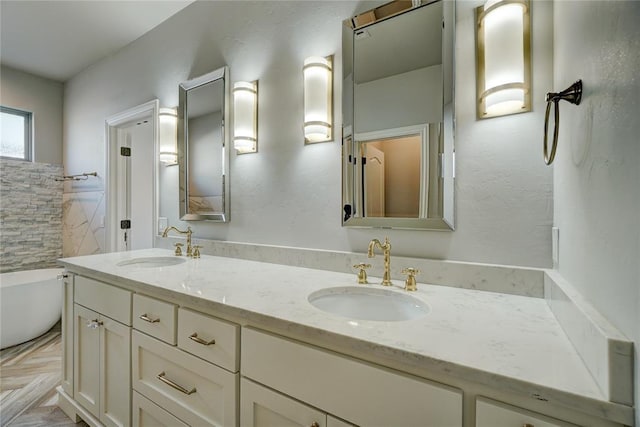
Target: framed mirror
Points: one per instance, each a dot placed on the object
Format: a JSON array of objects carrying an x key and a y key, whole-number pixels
[
  {"x": 398, "y": 116},
  {"x": 203, "y": 153}
]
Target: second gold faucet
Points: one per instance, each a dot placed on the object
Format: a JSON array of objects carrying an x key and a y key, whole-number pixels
[{"x": 386, "y": 251}]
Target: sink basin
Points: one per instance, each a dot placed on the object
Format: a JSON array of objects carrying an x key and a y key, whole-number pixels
[
  {"x": 152, "y": 262},
  {"x": 362, "y": 303}
]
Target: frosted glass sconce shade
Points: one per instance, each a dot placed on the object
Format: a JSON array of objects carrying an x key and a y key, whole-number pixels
[
  {"x": 318, "y": 99},
  {"x": 503, "y": 58},
  {"x": 245, "y": 117},
  {"x": 168, "y": 119}
]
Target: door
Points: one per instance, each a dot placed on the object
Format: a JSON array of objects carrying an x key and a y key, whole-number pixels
[
  {"x": 131, "y": 174},
  {"x": 86, "y": 376},
  {"x": 135, "y": 169},
  {"x": 115, "y": 372},
  {"x": 102, "y": 380},
  {"x": 262, "y": 407}
]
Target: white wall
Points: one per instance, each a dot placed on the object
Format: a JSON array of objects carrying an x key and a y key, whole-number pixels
[
  {"x": 289, "y": 193},
  {"x": 597, "y": 166},
  {"x": 43, "y": 98}
]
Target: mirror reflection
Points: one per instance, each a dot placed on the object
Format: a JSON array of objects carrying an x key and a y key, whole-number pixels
[
  {"x": 202, "y": 147},
  {"x": 398, "y": 117}
]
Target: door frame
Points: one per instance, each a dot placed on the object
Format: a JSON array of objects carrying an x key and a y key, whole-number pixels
[{"x": 149, "y": 111}]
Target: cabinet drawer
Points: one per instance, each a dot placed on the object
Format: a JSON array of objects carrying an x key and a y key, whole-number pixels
[
  {"x": 312, "y": 375},
  {"x": 105, "y": 299},
  {"x": 261, "y": 407},
  {"x": 148, "y": 414},
  {"x": 154, "y": 317},
  {"x": 197, "y": 392},
  {"x": 490, "y": 413},
  {"x": 212, "y": 339}
]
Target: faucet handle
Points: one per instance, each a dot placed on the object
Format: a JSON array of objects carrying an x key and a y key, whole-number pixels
[
  {"x": 362, "y": 274},
  {"x": 178, "y": 251},
  {"x": 410, "y": 283},
  {"x": 196, "y": 251}
]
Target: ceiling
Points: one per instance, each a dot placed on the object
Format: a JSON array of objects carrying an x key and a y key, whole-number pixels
[{"x": 58, "y": 39}]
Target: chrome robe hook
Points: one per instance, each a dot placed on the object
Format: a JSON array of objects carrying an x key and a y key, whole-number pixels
[{"x": 572, "y": 94}]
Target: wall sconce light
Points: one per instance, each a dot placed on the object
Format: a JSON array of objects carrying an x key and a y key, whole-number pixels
[
  {"x": 245, "y": 117},
  {"x": 503, "y": 58},
  {"x": 318, "y": 99},
  {"x": 168, "y": 118}
]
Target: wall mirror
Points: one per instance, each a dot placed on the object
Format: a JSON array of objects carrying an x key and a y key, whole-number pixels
[
  {"x": 398, "y": 116},
  {"x": 203, "y": 153}
]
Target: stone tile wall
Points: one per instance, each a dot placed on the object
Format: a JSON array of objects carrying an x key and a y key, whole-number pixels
[{"x": 30, "y": 215}]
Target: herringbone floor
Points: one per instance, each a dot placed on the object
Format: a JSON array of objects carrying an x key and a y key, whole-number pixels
[{"x": 29, "y": 374}]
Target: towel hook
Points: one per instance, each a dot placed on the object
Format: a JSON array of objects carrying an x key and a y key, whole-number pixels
[{"x": 572, "y": 94}]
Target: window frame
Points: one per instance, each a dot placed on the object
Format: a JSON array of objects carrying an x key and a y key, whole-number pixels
[{"x": 28, "y": 132}]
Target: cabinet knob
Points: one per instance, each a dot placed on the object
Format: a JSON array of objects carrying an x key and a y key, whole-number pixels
[
  {"x": 62, "y": 276},
  {"x": 527, "y": 425},
  {"x": 315, "y": 424},
  {"x": 94, "y": 324}
]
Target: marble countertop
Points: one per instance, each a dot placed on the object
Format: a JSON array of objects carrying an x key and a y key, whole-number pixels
[{"x": 506, "y": 341}]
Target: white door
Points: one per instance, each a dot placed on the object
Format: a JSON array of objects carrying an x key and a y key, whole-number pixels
[
  {"x": 86, "y": 387},
  {"x": 140, "y": 185},
  {"x": 132, "y": 164}
]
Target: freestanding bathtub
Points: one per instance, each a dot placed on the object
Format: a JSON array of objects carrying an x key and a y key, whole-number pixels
[{"x": 30, "y": 304}]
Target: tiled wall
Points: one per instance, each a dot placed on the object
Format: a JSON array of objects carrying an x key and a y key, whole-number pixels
[
  {"x": 30, "y": 215},
  {"x": 83, "y": 228}
]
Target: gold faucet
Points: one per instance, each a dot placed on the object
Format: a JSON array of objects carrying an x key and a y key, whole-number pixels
[
  {"x": 165, "y": 233},
  {"x": 386, "y": 251}
]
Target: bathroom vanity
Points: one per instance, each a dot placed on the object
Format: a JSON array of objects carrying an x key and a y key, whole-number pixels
[{"x": 222, "y": 341}]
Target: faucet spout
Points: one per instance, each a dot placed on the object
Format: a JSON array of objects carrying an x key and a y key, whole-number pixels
[
  {"x": 188, "y": 232},
  {"x": 386, "y": 251}
]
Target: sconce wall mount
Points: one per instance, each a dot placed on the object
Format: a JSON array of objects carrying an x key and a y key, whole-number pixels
[
  {"x": 318, "y": 99},
  {"x": 168, "y": 118},
  {"x": 503, "y": 58},
  {"x": 245, "y": 117}
]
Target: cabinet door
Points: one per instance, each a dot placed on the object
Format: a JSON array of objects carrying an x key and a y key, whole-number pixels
[
  {"x": 115, "y": 373},
  {"x": 262, "y": 407},
  {"x": 148, "y": 414},
  {"x": 67, "y": 333},
  {"x": 86, "y": 354}
]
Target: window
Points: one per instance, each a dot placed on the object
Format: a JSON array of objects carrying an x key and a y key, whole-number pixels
[{"x": 16, "y": 135}]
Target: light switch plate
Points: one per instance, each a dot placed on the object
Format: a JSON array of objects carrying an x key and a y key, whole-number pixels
[{"x": 162, "y": 224}]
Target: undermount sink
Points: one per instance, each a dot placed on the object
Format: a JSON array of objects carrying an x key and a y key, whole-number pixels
[
  {"x": 363, "y": 303},
  {"x": 152, "y": 262}
]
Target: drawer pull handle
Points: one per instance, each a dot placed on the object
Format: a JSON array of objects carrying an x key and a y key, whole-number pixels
[
  {"x": 148, "y": 319},
  {"x": 194, "y": 337},
  {"x": 161, "y": 376}
]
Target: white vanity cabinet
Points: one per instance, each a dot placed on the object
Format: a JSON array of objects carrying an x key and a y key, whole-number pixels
[
  {"x": 102, "y": 349},
  {"x": 185, "y": 363},
  {"x": 351, "y": 390},
  {"x": 189, "y": 388},
  {"x": 490, "y": 413}
]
